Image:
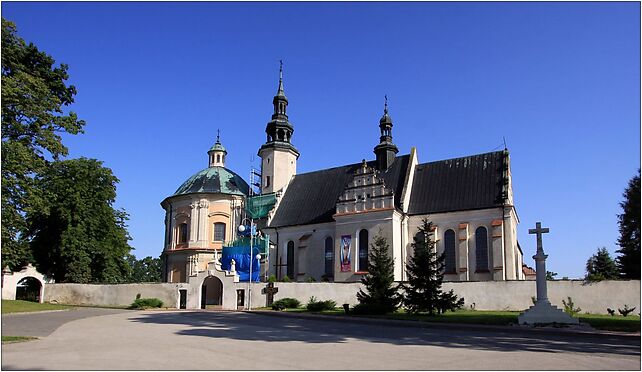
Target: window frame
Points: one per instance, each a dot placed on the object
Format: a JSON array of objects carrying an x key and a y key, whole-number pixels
[
  {"x": 479, "y": 250},
  {"x": 214, "y": 226}
]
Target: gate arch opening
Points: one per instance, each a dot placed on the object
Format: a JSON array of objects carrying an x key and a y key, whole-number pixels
[
  {"x": 29, "y": 289},
  {"x": 212, "y": 293}
]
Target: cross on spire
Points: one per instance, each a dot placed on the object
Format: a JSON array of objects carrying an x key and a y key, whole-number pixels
[
  {"x": 385, "y": 105},
  {"x": 539, "y": 230},
  {"x": 218, "y": 135},
  {"x": 280, "y": 69}
]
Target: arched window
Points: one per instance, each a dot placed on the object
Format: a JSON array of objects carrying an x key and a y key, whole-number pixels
[
  {"x": 218, "y": 158},
  {"x": 449, "y": 252},
  {"x": 219, "y": 232},
  {"x": 363, "y": 250},
  {"x": 290, "y": 271},
  {"x": 481, "y": 249},
  {"x": 329, "y": 257},
  {"x": 182, "y": 233}
]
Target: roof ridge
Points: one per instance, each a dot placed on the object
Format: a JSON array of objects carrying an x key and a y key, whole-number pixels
[
  {"x": 461, "y": 157},
  {"x": 345, "y": 166}
]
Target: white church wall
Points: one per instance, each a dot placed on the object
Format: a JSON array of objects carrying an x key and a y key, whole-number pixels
[
  {"x": 374, "y": 222},
  {"x": 452, "y": 220},
  {"x": 309, "y": 260}
]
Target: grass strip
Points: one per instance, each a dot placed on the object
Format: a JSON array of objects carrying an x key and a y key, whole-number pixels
[
  {"x": 19, "y": 306},
  {"x": 13, "y": 339},
  {"x": 630, "y": 323}
]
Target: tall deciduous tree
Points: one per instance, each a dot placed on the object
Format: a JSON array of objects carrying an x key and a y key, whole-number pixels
[
  {"x": 425, "y": 269},
  {"x": 380, "y": 295},
  {"x": 601, "y": 266},
  {"x": 145, "y": 270},
  {"x": 34, "y": 96},
  {"x": 76, "y": 234},
  {"x": 628, "y": 261}
]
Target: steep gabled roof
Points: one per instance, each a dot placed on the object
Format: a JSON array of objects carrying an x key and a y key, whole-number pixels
[
  {"x": 312, "y": 197},
  {"x": 471, "y": 182}
]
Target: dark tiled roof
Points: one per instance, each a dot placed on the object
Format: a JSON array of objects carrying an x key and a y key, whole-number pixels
[
  {"x": 471, "y": 182},
  {"x": 214, "y": 180},
  {"x": 312, "y": 197}
]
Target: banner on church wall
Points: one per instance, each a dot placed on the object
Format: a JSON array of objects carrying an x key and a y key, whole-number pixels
[{"x": 345, "y": 253}]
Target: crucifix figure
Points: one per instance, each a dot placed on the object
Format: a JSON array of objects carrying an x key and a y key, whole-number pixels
[
  {"x": 540, "y": 262},
  {"x": 269, "y": 291}
]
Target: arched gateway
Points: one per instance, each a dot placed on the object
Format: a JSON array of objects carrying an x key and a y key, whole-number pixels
[{"x": 212, "y": 293}]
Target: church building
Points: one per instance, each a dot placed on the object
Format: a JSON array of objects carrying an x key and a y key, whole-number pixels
[{"x": 319, "y": 225}]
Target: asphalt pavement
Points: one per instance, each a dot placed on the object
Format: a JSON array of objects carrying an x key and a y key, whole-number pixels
[
  {"x": 208, "y": 340},
  {"x": 41, "y": 324}
]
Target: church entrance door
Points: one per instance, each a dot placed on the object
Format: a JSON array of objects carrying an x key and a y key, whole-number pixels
[{"x": 212, "y": 293}]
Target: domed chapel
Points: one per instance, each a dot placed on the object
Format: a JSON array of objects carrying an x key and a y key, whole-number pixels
[{"x": 320, "y": 224}]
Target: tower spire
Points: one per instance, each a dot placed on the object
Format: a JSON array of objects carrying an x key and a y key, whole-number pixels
[
  {"x": 385, "y": 104},
  {"x": 280, "y": 91},
  {"x": 386, "y": 149}
]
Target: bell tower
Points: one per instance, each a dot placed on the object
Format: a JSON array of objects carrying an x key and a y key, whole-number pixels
[
  {"x": 278, "y": 155},
  {"x": 385, "y": 150}
]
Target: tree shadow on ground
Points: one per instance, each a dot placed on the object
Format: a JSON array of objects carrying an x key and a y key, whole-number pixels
[{"x": 253, "y": 327}]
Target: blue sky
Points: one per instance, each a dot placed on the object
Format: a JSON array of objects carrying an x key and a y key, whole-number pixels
[{"x": 560, "y": 81}]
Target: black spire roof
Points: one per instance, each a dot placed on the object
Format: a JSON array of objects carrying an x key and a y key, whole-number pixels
[{"x": 279, "y": 130}]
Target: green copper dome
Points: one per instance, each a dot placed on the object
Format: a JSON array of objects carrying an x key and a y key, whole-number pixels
[
  {"x": 217, "y": 147},
  {"x": 214, "y": 180}
]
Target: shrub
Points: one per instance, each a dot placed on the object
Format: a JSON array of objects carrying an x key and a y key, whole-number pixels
[
  {"x": 286, "y": 279},
  {"x": 314, "y": 305},
  {"x": 311, "y": 280},
  {"x": 144, "y": 303},
  {"x": 569, "y": 307},
  {"x": 271, "y": 278},
  {"x": 626, "y": 310},
  {"x": 286, "y": 303}
]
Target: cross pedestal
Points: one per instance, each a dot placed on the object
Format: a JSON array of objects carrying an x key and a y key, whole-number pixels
[{"x": 543, "y": 312}]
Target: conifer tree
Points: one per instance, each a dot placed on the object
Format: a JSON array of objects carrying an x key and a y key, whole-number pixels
[
  {"x": 380, "y": 295},
  {"x": 628, "y": 261},
  {"x": 425, "y": 271},
  {"x": 601, "y": 266}
]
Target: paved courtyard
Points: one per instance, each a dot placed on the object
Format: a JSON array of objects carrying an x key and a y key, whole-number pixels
[{"x": 189, "y": 340}]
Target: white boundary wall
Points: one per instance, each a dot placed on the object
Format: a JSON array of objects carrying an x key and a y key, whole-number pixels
[
  {"x": 501, "y": 295},
  {"x": 110, "y": 294}
]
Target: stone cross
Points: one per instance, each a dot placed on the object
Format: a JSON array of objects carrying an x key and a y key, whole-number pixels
[
  {"x": 540, "y": 262},
  {"x": 539, "y": 231},
  {"x": 269, "y": 291}
]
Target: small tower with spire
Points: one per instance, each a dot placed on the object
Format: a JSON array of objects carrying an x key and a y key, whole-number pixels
[
  {"x": 386, "y": 149},
  {"x": 278, "y": 155},
  {"x": 217, "y": 153}
]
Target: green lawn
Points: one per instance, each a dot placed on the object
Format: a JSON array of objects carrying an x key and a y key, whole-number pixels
[
  {"x": 12, "y": 339},
  {"x": 17, "y": 306},
  {"x": 630, "y": 323}
]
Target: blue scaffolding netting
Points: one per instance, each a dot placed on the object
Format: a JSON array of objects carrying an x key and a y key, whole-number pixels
[{"x": 241, "y": 256}]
